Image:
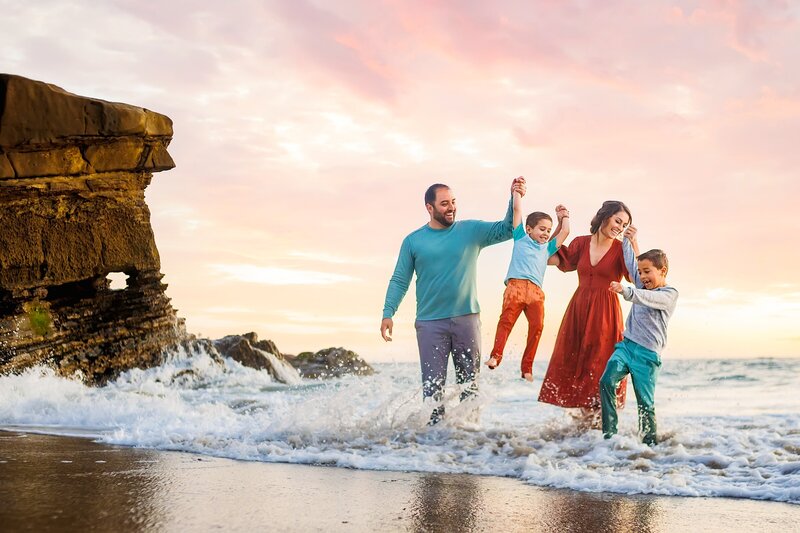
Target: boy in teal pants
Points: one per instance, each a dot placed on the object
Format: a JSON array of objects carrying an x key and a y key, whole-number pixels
[{"x": 643, "y": 340}]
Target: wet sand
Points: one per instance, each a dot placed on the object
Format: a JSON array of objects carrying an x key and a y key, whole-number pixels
[{"x": 67, "y": 484}]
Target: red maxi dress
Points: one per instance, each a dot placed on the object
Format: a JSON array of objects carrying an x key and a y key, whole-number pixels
[{"x": 592, "y": 324}]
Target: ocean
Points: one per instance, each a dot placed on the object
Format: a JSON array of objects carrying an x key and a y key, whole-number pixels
[{"x": 727, "y": 428}]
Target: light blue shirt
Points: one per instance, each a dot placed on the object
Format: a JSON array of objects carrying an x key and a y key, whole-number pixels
[{"x": 529, "y": 258}]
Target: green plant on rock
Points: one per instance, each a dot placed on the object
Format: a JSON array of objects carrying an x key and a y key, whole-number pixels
[{"x": 40, "y": 320}]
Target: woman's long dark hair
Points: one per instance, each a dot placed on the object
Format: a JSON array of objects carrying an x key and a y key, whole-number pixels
[{"x": 609, "y": 209}]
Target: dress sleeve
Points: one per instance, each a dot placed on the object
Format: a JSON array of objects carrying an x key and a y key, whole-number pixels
[{"x": 569, "y": 255}]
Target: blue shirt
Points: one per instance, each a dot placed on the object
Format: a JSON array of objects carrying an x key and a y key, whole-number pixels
[
  {"x": 445, "y": 262},
  {"x": 529, "y": 258}
]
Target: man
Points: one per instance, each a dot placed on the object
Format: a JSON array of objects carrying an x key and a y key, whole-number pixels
[{"x": 444, "y": 255}]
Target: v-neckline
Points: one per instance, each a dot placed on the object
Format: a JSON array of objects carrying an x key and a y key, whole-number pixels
[{"x": 589, "y": 252}]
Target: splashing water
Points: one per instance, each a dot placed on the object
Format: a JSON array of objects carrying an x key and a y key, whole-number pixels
[{"x": 726, "y": 428}]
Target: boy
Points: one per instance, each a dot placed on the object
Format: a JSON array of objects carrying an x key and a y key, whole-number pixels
[
  {"x": 644, "y": 337},
  {"x": 532, "y": 248}
]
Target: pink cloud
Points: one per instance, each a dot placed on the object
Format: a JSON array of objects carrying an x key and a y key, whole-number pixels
[
  {"x": 748, "y": 24},
  {"x": 528, "y": 138},
  {"x": 338, "y": 48},
  {"x": 303, "y": 126}
]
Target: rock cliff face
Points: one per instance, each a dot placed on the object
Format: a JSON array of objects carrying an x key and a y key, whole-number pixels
[{"x": 73, "y": 172}]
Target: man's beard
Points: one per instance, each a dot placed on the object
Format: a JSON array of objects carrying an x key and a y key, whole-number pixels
[{"x": 440, "y": 218}]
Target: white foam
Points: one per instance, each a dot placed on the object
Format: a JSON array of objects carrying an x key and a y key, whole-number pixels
[
  {"x": 286, "y": 372},
  {"x": 714, "y": 440}
]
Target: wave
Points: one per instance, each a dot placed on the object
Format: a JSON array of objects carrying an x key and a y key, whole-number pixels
[{"x": 200, "y": 403}]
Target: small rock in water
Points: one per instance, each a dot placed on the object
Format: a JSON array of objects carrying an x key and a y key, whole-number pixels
[{"x": 330, "y": 363}]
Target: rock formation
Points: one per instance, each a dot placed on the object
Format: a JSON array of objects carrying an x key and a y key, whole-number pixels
[
  {"x": 262, "y": 355},
  {"x": 329, "y": 363},
  {"x": 73, "y": 171}
]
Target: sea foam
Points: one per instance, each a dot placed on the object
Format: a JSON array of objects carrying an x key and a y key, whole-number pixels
[{"x": 720, "y": 434}]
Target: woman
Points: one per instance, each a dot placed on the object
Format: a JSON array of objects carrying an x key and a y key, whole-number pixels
[{"x": 592, "y": 323}]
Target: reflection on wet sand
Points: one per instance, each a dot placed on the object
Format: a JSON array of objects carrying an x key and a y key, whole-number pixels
[
  {"x": 472, "y": 503},
  {"x": 446, "y": 503},
  {"x": 67, "y": 484},
  {"x": 49, "y": 484},
  {"x": 580, "y": 511}
]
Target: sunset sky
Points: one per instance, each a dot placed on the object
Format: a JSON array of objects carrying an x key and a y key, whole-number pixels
[{"x": 306, "y": 133}]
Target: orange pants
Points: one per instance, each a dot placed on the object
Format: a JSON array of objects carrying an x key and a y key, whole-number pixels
[{"x": 520, "y": 295}]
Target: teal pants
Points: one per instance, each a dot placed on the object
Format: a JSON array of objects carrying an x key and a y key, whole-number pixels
[{"x": 643, "y": 366}]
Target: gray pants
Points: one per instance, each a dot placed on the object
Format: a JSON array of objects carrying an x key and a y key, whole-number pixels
[{"x": 437, "y": 339}]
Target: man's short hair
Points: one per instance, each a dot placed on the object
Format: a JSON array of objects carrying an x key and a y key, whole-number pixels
[{"x": 430, "y": 194}]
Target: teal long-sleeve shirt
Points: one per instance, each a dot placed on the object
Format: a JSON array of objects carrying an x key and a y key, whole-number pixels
[{"x": 445, "y": 262}]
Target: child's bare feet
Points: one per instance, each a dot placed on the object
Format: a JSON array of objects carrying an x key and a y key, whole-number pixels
[
  {"x": 528, "y": 376},
  {"x": 492, "y": 363}
]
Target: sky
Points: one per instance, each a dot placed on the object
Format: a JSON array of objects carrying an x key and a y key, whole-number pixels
[{"x": 306, "y": 132}]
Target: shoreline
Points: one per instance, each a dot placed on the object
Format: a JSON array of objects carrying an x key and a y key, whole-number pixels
[{"x": 56, "y": 483}]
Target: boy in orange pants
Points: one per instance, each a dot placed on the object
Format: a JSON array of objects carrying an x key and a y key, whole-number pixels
[{"x": 533, "y": 246}]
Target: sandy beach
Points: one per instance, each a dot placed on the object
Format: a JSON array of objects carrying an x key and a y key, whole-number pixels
[{"x": 50, "y": 483}]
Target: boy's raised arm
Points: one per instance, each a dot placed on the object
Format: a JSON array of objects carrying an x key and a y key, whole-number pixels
[
  {"x": 562, "y": 230},
  {"x": 559, "y": 225},
  {"x": 489, "y": 233},
  {"x": 516, "y": 219},
  {"x": 630, "y": 249}
]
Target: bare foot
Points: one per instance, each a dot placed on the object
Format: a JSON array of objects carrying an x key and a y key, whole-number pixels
[
  {"x": 528, "y": 376},
  {"x": 492, "y": 363},
  {"x": 587, "y": 418}
]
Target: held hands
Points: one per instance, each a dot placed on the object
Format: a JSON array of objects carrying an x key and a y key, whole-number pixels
[
  {"x": 616, "y": 286},
  {"x": 630, "y": 234},
  {"x": 386, "y": 325},
  {"x": 518, "y": 185},
  {"x": 561, "y": 212}
]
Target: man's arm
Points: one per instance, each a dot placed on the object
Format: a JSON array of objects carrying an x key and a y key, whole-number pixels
[
  {"x": 398, "y": 286},
  {"x": 489, "y": 233}
]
